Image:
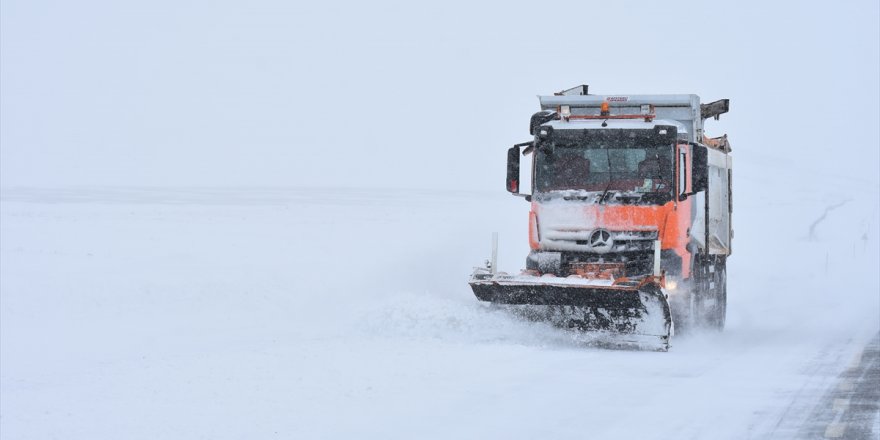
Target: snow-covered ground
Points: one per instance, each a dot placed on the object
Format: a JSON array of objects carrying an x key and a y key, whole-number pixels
[{"x": 344, "y": 313}]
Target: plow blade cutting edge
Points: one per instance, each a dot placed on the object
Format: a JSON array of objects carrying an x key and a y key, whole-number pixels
[{"x": 631, "y": 314}]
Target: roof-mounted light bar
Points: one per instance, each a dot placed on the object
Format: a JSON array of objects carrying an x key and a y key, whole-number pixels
[{"x": 646, "y": 112}]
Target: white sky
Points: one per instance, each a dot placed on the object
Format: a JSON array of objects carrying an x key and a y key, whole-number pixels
[{"x": 400, "y": 94}]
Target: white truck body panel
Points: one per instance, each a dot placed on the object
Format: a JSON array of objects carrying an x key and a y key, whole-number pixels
[{"x": 719, "y": 214}]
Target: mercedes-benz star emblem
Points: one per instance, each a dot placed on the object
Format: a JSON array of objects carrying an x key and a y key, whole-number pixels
[{"x": 600, "y": 240}]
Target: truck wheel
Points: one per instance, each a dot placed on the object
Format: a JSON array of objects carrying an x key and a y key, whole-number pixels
[
  {"x": 709, "y": 296},
  {"x": 722, "y": 299},
  {"x": 716, "y": 310}
]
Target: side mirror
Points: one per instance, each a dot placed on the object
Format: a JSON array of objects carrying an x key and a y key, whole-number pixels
[
  {"x": 699, "y": 175},
  {"x": 513, "y": 170},
  {"x": 683, "y": 178},
  {"x": 700, "y": 179},
  {"x": 513, "y": 157}
]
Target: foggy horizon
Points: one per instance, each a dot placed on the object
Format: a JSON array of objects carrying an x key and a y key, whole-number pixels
[{"x": 273, "y": 94}]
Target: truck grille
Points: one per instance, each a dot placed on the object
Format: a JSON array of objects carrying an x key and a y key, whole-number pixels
[
  {"x": 634, "y": 263},
  {"x": 578, "y": 240}
]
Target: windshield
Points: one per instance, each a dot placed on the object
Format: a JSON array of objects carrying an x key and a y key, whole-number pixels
[{"x": 634, "y": 164}]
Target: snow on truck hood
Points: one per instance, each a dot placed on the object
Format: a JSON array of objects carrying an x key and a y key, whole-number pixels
[{"x": 573, "y": 217}]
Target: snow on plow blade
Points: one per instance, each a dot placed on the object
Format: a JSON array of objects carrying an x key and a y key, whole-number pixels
[{"x": 630, "y": 313}]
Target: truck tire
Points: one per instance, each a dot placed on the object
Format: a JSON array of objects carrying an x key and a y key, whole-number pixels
[
  {"x": 715, "y": 295},
  {"x": 720, "y": 316}
]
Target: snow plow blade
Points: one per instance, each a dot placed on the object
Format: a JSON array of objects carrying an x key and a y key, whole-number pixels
[{"x": 627, "y": 314}]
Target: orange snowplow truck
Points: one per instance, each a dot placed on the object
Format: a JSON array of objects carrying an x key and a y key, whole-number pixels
[{"x": 630, "y": 220}]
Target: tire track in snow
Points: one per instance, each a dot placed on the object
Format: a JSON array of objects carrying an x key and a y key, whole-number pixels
[{"x": 851, "y": 410}]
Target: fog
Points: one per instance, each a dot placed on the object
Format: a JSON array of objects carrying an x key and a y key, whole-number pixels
[
  {"x": 406, "y": 95},
  {"x": 257, "y": 219}
]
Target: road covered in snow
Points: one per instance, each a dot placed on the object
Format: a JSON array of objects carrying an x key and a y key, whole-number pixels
[{"x": 345, "y": 313}]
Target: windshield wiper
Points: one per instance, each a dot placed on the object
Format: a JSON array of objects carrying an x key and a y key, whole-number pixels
[
  {"x": 610, "y": 177},
  {"x": 629, "y": 196},
  {"x": 575, "y": 197}
]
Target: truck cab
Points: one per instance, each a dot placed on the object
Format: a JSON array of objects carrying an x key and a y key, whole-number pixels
[{"x": 631, "y": 180}]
